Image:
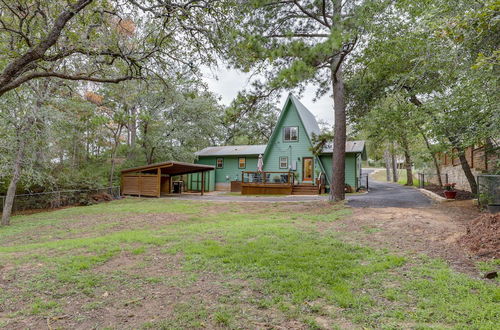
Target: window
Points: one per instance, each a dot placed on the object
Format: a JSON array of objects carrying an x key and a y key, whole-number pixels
[
  {"x": 291, "y": 133},
  {"x": 283, "y": 162},
  {"x": 220, "y": 162},
  {"x": 242, "y": 162}
]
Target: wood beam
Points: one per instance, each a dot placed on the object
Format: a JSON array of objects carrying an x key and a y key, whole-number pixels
[
  {"x": 202, "y": 182},
  {"x": 158, "y": 173}
]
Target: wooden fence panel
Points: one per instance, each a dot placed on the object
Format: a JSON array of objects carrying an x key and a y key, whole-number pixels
[
  {"x": 130, "y": 185},
  {"x": 143, "y": 185}
]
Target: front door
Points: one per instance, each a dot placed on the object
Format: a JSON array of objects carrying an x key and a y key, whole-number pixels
[{"x": 307, "y": 169}]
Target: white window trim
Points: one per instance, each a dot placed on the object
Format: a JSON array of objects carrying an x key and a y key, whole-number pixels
[
  {"x": 284, "y": 134},
  {"x": 283, "y": 157},
  {"x": 217, "y": 162}
]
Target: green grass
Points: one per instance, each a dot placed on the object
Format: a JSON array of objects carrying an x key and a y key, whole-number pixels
[
  {"x": 381, "y": 176},
  {"x": 298, "y": 267}
]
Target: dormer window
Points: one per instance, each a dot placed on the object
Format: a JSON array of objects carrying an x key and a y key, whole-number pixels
[{"x": 290, "y": 134}]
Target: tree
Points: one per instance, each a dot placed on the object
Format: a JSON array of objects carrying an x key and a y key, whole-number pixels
[
  {"x": 98, "y": 40},
  {"x": 303, "y": 42},
  {"x": 24, "y": 111},
  {"x": 251, "y": 117},
  {"x": 416, "y": 54},
  {"x": 101, "y": 42},
  {"x": 392, "y": 119}
]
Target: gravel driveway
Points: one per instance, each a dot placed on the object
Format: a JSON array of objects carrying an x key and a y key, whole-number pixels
[{"x": 381, "y": 195}]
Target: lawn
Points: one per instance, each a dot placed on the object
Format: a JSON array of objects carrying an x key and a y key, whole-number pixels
[
  {"x": 159, "y": 263},
  {"x": 380, "y": 175}
]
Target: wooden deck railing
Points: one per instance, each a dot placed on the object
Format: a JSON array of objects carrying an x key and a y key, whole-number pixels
[{"x": 267, "y": 177}]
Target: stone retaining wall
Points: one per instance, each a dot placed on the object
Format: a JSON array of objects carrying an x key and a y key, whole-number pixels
[{"x": 456, "y": 175}]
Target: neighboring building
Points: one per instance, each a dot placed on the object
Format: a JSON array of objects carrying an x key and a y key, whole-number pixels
[{"x": 289, "y": 148}]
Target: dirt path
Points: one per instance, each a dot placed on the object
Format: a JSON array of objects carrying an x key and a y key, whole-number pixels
[{"x": 433, "y": 231}]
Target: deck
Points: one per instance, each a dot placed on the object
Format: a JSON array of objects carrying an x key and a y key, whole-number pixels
[{"x": 273, "y": 183}]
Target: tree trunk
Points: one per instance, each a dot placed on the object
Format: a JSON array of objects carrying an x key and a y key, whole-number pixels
[
  {"x": 11, "y": 191},
  {"x": 394, "y": 167},
  {"x": 339, "y": 134},
  {"x": 409, "y": 173},
  {"x": 464, "y": 163},
  {"x": 418, "y": 103},
  {"x": 113, "y": 155},
  {"x": 132, "y": 131},
  {"x": 434, "y": 159},
  {"x": 387, "y": 160},
  {"x": 467, "y": 171},
  {"x": 133, "y": 126}
]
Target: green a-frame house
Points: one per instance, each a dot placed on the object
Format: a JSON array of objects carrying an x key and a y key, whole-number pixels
[{"x": 288, "y": 149}]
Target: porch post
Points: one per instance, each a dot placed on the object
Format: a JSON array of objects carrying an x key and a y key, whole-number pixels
[
  {"x": 202, "y": 182},
  {"x": 158, "y": 180}
]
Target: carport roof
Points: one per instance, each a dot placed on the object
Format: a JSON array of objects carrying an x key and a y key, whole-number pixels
[{"x": 170, "y": 167}]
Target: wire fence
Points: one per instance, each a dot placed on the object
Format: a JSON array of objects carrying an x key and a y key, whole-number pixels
[
  {"x": 488, "y": 187},
  {"x": 56, "y": 199},
  {"x": 431, "y": 179}
]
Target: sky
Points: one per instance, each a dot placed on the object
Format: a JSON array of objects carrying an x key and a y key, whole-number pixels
[{"x": 231, "y": 81}]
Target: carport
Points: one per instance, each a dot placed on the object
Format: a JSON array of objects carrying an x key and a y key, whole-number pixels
[{"x": 156, "y": 179}]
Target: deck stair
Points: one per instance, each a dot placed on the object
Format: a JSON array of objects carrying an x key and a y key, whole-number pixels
[{"x": 305, "y": 189}]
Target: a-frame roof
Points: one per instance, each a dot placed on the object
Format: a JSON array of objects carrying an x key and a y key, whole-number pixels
[
  {"x": 306, "y": 117},
  {"x": 308, "y": 120}
]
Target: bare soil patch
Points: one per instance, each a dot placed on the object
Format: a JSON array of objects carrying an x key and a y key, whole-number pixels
[
  {"x": 483, "y": 236},
  {"x": 148, "y": 288},
  {"x": 433, "y": 231}
]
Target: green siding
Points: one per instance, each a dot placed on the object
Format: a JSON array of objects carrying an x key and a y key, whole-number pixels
[
  {"x": 230, "y": 172},
  {"x": 194, "y": 181},
  {"x": 293, "y": 150},
  {"x": 350, "y": 168}
]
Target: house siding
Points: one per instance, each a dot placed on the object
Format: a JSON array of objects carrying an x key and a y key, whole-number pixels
[
  {"x": 277, "y": 147},
  {"x": 222, "y": 177},
  {"x": 350, "y": 168},
  {"x": 193, "y": 182}
]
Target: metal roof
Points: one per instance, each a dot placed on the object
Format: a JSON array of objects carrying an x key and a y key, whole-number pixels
[
  {"x": 350, "y": 147},
  {"x": 232, "y": 150},
  {"x": 170, "y": 167},
  {"x": 310, "y": 124}
]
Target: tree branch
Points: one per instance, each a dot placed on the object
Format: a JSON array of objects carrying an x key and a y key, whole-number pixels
[
  {"x": 311, "y": 15},
  {"x": 80, "y": 76},
  {"x": 299, "y": 35},
  {"x": 15, "y": 67}
]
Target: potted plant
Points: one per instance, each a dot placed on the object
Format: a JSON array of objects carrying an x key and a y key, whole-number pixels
[{"x": 450, "y": 192}]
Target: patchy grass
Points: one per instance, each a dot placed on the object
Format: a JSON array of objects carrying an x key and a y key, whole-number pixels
[
  {"x": 226, "y": 265},
  {"x": 380, "y": 175}
]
